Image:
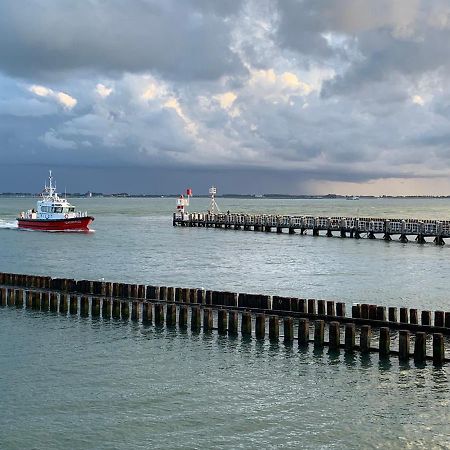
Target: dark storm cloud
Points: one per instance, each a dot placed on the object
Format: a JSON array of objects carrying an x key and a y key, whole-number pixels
[{"x": 182, "y": 40}]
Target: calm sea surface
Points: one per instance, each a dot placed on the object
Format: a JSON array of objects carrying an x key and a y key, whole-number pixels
[{"x": 84, "y": 384}]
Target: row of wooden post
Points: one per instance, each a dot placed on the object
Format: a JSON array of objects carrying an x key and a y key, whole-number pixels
[{"x": 228, "y": 322}]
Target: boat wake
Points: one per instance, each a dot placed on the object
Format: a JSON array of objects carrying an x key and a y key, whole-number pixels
[{"x": 7, "y": 225}]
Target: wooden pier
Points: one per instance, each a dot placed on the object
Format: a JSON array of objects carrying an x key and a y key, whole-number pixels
[
  {"x": 369, "y": 328},
  {"x": 352, "y": 227}
]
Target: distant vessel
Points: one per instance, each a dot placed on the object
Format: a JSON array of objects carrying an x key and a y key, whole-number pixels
[
  {"x": 353, "y": 197},
  {"x": 53, "y": 213}
]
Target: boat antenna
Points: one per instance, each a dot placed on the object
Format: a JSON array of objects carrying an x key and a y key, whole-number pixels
[{"x": 213, "y": 207}]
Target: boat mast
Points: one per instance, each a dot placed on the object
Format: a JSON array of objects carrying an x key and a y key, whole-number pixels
[{"x": 213, "y": 207}]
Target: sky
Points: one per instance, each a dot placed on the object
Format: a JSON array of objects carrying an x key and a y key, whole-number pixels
[{"x": 253, "y": 96}]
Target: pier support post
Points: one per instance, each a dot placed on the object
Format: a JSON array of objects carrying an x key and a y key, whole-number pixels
[
  {"x": 134, "y": 311},
  {"x": 439, "y": 318},
  {"x": 438, "y": 349},
  {"x": 384, "y": 346},
  {"x": 11, "y": 297},
  {"x": 404, "y": 315},
  {"x": 125, "y": 307},
  {"x": 426, "y": 317},
  {"x": 274, "y": 328},
  {"x": 321, "y": 307},
  {"x": 195, "y": 318},
  {"x": 364, "y": 311},
  {"x": 288, "y": 330},
  {"x": 260, "y": 326},
  {"x": 403, "y": 345},
  {"x": 207, "y": 319},
  {"x": 159, "y": 314},
  {"x": 171, "y": 314},
  {"x": 84, "y": 306},
  {"x": 392, "y": 314},
  {"x": 319, "y": 333},
  {"x": 334, "y": 336},
  {"x": 403, "y": 238},
  {"x": 447, "y": 320},
  {"x": 63, "y": 302},
  {"x": 420, "y": 347},
  {"x": 356, "y": 311},
  {"x": 331, "y": 309},
  {"x": 373, "y": 312},
  {"x": 311, "y": 306},
  {"x": 106, "y": 308},
  {"x": 73, "y": 304},
  {"x": 413, "y": 316},
  {"x": 365, "y": 338},
  {"x": 381, "y": 313},
  {"x": 246, "y": 324},
  {"x": 303, "y": 331},
  {"x": 340, "y": 309},
  {"x": 222, "y": 322},
  {"x": 95, "y": 306},
  {"x": 53, "y": 302},
  {"x": 350, "y": 337},
  {"x": 116, "y": 309},
  {"x": 233, "y": 323},
  {"x": 329, "y": 233},
  {"x": 19, "y": 298},
  {"x": 183, "y": 316}
]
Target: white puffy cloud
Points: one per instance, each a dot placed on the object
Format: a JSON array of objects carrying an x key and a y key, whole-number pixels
[{"x": 62, "y": 98}]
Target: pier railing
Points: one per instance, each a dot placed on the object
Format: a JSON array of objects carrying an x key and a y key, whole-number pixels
[
  {"x": 354, "y": 227},
  {"x": 323, "y": 323}
]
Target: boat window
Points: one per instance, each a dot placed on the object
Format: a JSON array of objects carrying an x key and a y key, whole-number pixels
[
  {"x": 72, "y": 209},
  {"x": 57, "y": 210}
]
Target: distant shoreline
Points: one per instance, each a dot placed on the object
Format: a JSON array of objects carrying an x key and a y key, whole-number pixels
[{"x": 234, "y": 196}]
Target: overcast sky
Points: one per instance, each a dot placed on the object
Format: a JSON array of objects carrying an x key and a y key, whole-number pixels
[{"x": 257, "y": 96}]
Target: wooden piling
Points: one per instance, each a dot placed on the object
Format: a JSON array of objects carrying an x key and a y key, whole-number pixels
[
  {"x": 73, "y": 304},
  {"x": 288, "y": 330},
  {"x": 233, "y": 323},
  {"x": 331, "y": 308},
  {"x": 260, "y": 326},
  {"x": 159, "y": 313},
  {"x": 420, "y": 347},
  {"x": 53, "y": 301},
  {"x": 171, "y": 314},
  {"x": 447, "y": 320},
  {"x": 63, "y": 303},
  {"x": 195, "y": 318},
  {"x": 384, "y": 346},
  {"x": 321, "y": 307},
  {"x": 340, "y": 309},
  {"x": 381, "y": 313},
  {"x": 319, "y": 333},
  {"x": 426, "y": 317},
  {"x": 364, "y": 311},
  {"x": 135, "y": 311},
  {"x": 207, "y": 319},
  {"x": 356, "y": 311},
  {"x": 365, "y": 338},
  {"x": 403, "y": 345},
  {"x": 439, "y": 319},
  {"x": 350, "y": 336},
  {"x": 413, "y": 316},
  {"x": 95, "y": 307},
  {"x": 116, "y": 309},
  {"x": 392, "y": 314},
  {"x": 373, "y": 310},
  {"x": 311, "y": 306},
  {"x": 404, "y": 315},
  {"x": 438, "y": 349},
  {"x": 147, "y": 313},
  {"x": 222, "y": 322},
  {"x": 183, "y": 316},
  {"x": 84, "y": 306},
  {"x": 246, "y": 324},
  {"x": 303, "y": 331},
  {"x": 274, "y": 328},
  {"x": 334, "y": 336},
  {"x": 19, "y": 298},
  {"x": 11, "y": 297},
  {"x": 125, "y": 310}
]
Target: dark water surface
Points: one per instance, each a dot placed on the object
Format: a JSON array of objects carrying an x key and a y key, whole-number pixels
[{"x": 83, "y": 383}]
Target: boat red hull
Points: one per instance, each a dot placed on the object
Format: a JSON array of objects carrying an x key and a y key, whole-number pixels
[{"x": 75, "y": 224}]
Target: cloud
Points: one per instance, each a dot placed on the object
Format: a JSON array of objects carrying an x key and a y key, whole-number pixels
[
  {"x": 62, "y": 98},
  {"x": 102, "y": 90}
]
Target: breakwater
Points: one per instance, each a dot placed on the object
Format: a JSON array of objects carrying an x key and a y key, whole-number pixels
[
  {"x": 353, "y": 227},
  {"x": 420, "y": 335}
]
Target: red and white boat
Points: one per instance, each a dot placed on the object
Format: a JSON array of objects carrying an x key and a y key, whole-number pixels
[{"x": 53, "y": 213}]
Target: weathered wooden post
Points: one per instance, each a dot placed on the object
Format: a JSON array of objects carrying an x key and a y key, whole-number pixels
[
  {"x": 403, "y": 315},
  {"x": 447, "y": 320},
  {"x": 171, "y": 314},
  {"x": 207, "y": 319},
  {"x": 274, "y": 328},
  {"x": 95, "y": 306},
  {"x": 384, "y": 347},
  {"x": 350, "y": 336},
  {"x": 340, "y": 309},
  {"x": 11, "y": 297},
  {"x": 246, "y": 324},
  {"x": 159, "y": 313},
  {"x": 73, "y": 304},
  {"x": 288, "y": 330},
  {"x": 420, "y": 347},
  {"x": 303, "y": 331},
  {"x": 84, "y": 306},
  {"x": 321, "y": 307},
  {"x": 365, "y": 311},
  {"x": 260, "y": 326},
  {"x": 438, "y": 349},
  {"x": 334, "y": 336},
  {"x": 356, "y": 311},
  {"x": 19, "y": 298},
  {"x": 331, "y": 310},
  {"x": 116, "y": 309},
  {"x": 311, "y": 306},
  {"x": 222, "y": 322},
  {"x": 365, "y": 338},
  {"x": 233, "y": 323},
  {"x": 392, "y": 314},
  {"x": 319, "y": 333},
  {"x": 426, "y": 317},
  {"x": 195, "y": 318},
  {"x": 63, "y": 302},
  {"x": 147, "y": 313},
  {"x": 183, "y": 317},
  {"x": 125, "y": 307},
  {"x": 53, "y": 301},
  {"x": 439, "y": 318},
  {"x": 403, "y": 345},
  {"x": 373, "y": 312},
  {"x": 381, "y": 313},
  {"x": 135, "y": 311},
  {"x": 106, "y": 308},
  {"x": 413, "y": 316}
]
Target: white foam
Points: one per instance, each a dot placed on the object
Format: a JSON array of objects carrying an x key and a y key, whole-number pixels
[{"x": 8, "y": 225}]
